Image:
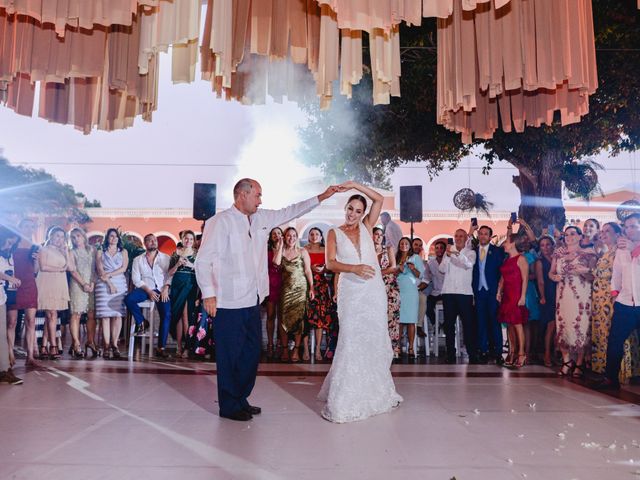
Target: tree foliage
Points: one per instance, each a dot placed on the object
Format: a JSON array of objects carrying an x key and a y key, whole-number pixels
[
  {"x": 25, "y": 191},
  {"x": 358, "y": 140}
]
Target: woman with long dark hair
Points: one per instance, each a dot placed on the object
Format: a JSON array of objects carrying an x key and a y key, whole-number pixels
[
  {"x": 184, "y": 289},
  {"x": 387, "y": 262},
  {"x": 111, "y": 288},
  {"x": 410, "y": 269},
  {"x": 274, "y": 259},
  {"x": 320, "y": 310},
  {"x": 547, "y": 297}
]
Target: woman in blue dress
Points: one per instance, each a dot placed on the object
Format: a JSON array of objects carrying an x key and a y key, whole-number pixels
[{"x": 410, "y": 269}]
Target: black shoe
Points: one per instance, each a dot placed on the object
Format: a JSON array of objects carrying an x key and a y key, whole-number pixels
[
  {"x": 253, "y": 410},
  {"x": 140, "y": 329},
  {"x": 483, "y": 358},
  {"x": 240, "y": 416},
  {"x": 499, "y": 360},
  {"x": 473, "y": 360},
  {"x": 450, "y": 359}
]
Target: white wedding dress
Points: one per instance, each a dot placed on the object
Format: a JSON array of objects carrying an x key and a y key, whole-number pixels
[{"x": 359, "y": 383}]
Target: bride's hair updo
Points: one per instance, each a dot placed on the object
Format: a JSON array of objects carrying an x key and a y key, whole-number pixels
[{"x": 360, "y": 198}]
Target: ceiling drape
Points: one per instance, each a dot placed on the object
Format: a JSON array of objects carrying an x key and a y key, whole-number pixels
[{"x": 501, "y": 63}]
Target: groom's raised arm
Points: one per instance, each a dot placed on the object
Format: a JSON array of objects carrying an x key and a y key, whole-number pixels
[{"x": 273, "y": 218}]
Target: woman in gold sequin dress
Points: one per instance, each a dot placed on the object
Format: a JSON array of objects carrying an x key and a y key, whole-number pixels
[{"x": 297, "y": 287}]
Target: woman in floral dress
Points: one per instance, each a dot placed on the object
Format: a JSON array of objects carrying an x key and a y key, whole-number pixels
[
  {"x": 602, "y": 310},
  {"x": 321, "y": 310},
  {"x": 387, "y": 261},
  {"x": 571, "y": 268}
]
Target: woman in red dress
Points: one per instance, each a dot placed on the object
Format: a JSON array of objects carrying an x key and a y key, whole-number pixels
[
  {"x": 512, "y": 294},
  {"x": 321, "y": 310}
]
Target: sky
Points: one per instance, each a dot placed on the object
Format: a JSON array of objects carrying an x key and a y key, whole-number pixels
[{"x": 195, "y": 137}]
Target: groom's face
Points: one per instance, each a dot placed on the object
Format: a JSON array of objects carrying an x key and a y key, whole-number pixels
[{"x": 252, "y": 199}]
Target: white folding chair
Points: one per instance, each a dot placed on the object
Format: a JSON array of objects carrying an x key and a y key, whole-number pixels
[
  {"x": 436, "y": 331},
  {"x": 146, "y": 340}
]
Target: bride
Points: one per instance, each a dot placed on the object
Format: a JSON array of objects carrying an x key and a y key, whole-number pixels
[{"x": 359, "y": 384}]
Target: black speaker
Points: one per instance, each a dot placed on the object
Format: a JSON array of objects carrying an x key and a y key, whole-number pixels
[
  {"x": 411, "y": 203},
  {"x": 204, "y": 200}
]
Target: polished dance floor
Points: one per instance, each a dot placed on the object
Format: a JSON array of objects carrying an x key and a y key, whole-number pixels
[{"x": 158, "y": 420}]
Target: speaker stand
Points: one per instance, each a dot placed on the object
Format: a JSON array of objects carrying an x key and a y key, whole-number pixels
[{"x": 411, "y": 232}]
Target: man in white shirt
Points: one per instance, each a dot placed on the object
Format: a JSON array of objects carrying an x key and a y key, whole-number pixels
[
  {"x": 392, "y": 231},
  {"x": 151, "y": 278},
  {"x": 625, "y": 289},
  {"x": 457, "y": 295},
  {"x": 231, "y": 269}
]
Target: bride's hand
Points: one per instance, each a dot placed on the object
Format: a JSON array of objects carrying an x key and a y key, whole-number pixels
[
  {"x": 312, "y": 296},
  {"x": 364, "y": 271}
]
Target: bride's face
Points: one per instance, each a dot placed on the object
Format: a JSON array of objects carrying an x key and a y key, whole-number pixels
[{"x": 353, "y": 212}]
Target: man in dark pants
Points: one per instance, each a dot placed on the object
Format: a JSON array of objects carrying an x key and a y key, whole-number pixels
[
  {"x": 625, "y": 288},
  {"x": 486, "y": 277},
  {"x": 231, "y": 269},
  {"x": 457, "y": 295}
]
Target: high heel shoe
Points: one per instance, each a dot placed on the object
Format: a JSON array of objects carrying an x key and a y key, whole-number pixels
[
  {"x": 521, "y": 362},
  {"x": 115, "y": 353},
  {"x": 508, "y": 362},
  {"x": 54, "y": 353},
  {"x": 91, "y": 347},
  {"x": 295, "y": 355},
  {"x": 569, "y": 366},
  {"x": 578, "y": 371},
  {"x": 44, "y": 353}
]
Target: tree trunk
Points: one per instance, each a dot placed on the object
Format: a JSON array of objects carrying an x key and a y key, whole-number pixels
[{"x": 541, "y": 192}]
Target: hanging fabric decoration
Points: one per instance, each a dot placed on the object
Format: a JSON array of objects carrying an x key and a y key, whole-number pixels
[{"x": 97, "y": 60}]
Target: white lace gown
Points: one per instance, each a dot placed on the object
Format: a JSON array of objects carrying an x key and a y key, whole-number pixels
[{"x": 359, "y": 383}]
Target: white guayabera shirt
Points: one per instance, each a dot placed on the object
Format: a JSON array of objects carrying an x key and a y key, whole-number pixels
[{"x": 232, "y": 260}]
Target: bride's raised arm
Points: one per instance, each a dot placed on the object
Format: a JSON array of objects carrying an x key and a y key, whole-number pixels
[{"x": 376, "y": 207}]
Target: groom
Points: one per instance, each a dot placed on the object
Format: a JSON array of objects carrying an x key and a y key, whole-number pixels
[{"x": 231, "y": 270}]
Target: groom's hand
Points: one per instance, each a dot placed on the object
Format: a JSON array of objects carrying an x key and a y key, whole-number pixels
[
  {"x": 210, "y": 306},
  {"x": 328, "y": 192}
]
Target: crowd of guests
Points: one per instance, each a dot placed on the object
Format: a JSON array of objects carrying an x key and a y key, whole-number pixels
[
  {"x": 566, "y": 296},
  {"x": 68, "y": 282}
]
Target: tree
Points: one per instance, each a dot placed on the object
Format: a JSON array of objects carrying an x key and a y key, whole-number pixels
[
  {"x": 25, "y": 191},
  {"x": 383, "y": 137}
]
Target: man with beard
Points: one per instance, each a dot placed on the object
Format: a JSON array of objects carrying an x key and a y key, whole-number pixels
[{"x": 151, "y": 277}]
